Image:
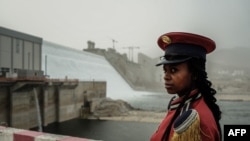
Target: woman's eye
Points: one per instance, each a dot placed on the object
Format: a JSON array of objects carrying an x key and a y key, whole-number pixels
[
  {"x": 173, "y": 70},
  {"x": 170, "y": 70}
]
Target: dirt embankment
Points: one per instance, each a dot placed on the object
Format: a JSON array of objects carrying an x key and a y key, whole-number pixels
[
  {"x": 139, "y": 116},
  {"x": 122, "y": 111}
]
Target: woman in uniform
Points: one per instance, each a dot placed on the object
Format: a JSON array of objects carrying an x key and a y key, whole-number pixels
[{"x": 193, "y": 114}]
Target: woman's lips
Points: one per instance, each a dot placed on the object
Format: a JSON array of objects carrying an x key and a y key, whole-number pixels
[{"x": 168, "y": 85}]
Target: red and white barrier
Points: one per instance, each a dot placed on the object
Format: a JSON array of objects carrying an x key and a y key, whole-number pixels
[{"x": 13, "y": 134}]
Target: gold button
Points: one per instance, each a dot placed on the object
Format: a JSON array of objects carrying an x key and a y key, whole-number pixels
[{"x": 166, "y": 39}]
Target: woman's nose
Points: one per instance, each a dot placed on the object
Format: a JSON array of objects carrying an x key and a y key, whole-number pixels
[{"x": 167, "y": 76}]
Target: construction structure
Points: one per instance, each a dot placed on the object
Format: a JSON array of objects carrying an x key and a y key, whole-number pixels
[
  {"x": 131, "y": 52},
  {"x": 140, "y": 76},
  {"x": 20, "y": 54}
]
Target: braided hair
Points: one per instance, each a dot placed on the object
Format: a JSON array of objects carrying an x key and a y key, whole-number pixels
[{"x": 197, "y": 68}]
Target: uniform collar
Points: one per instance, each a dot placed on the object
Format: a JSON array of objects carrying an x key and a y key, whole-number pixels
[{"x": 175, "y": 101}]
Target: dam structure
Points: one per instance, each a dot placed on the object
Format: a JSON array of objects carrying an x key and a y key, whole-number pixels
[
  {"x": 42, "y": 82},
  {"x": 64, "y": 62}
]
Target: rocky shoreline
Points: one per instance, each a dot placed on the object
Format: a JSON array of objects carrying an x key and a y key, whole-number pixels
[
  {"x": 118, "y": 110},
  {"x": 137, "y": 116}
]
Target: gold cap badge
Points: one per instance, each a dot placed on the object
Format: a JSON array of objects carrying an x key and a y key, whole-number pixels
[{"x": 166, "y": 39}]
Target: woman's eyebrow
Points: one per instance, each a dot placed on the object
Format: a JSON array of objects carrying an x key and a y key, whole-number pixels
[
  {"x": 174, "y": 65},
  {"x": 170, "y": 65}
]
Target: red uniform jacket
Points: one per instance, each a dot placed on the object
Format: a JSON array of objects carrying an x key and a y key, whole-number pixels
[{"x": 209, "y": 130}]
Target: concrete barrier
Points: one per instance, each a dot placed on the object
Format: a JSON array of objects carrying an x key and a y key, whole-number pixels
[{"x": 14, "y": 134}]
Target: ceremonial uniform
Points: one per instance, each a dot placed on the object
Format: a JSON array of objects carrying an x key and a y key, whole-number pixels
[
  {"x": 208, "y": 127},
  {"x": 189, "y": 117}
]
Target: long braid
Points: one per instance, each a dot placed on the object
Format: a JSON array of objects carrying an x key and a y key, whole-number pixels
[{"x": 197, "y": 66}]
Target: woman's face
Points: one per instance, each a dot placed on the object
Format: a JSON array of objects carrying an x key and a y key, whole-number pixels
[{"x": 177, "y": 78}]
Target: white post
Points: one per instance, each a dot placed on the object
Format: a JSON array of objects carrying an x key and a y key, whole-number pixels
[{"x": 38, "y": 112}]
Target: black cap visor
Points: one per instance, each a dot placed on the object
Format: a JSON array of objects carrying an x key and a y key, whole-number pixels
[
  {"x": 180, "y": 52},
  {"x": 173, "y": 60}
]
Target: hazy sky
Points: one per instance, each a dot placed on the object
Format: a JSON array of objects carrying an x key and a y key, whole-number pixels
[{"x": 136, "y": 23}]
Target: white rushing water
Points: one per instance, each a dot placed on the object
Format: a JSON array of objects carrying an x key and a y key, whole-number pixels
[{"x": 77, "y": 64}]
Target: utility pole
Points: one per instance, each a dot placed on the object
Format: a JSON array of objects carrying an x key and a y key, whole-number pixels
[
  {"x": 131, "y": 52},
  {"x": 113, "y": 42}
]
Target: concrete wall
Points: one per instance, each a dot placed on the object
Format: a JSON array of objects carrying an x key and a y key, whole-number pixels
[
  {"x": 22, "y": 109},
  {"x": 4, "y": 105},
  {"x": 57, "y": 101}
]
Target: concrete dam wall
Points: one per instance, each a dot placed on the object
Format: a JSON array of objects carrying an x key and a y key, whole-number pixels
[{"x": 29, "y": 104}]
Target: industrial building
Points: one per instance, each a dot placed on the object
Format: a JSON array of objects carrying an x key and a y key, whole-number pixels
[
  {"x": 28, "y": 99},
  {"x": 20, "y": 54}
]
